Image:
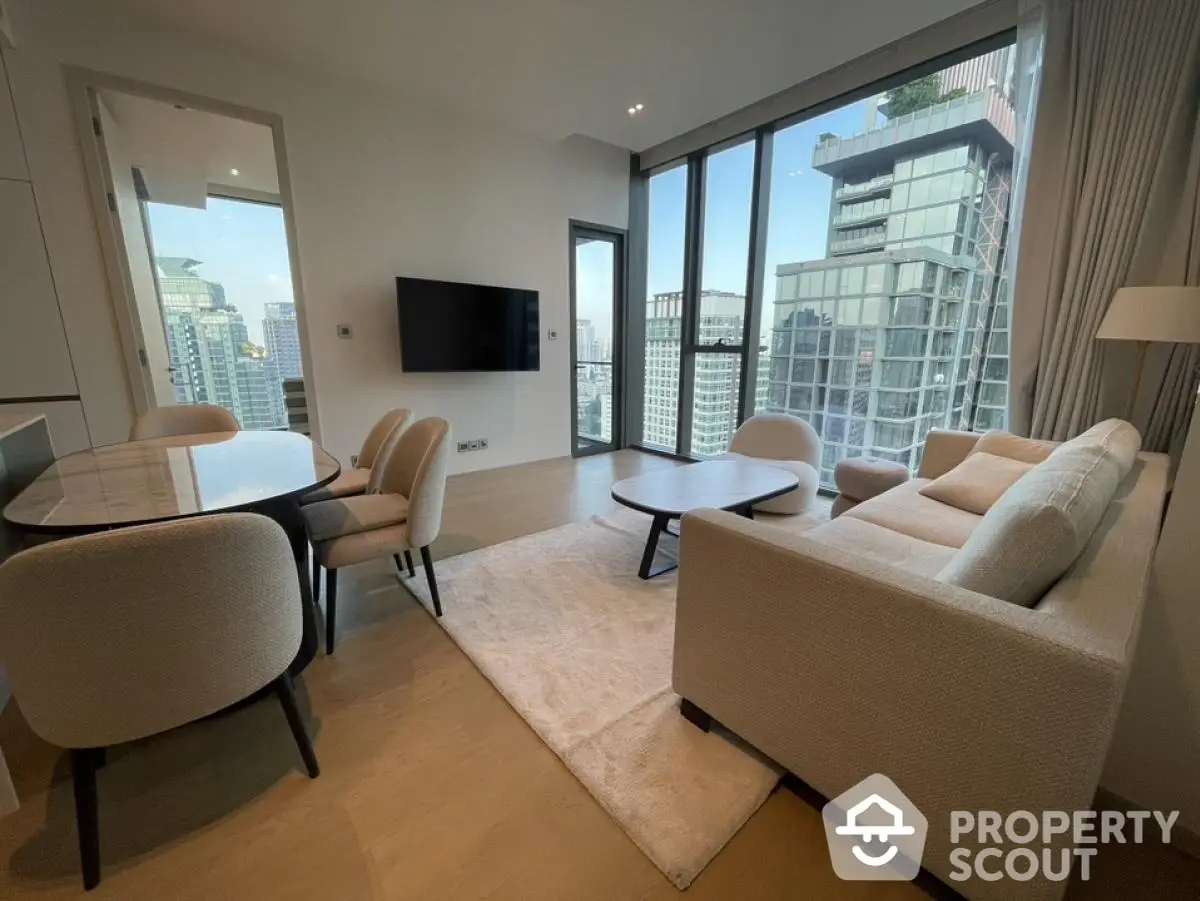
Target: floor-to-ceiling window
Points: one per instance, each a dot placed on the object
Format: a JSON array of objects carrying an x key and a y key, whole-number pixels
[
  {"x": 664, "y": 306},
  {"x": 716, "y": 373},
  {"x": 883, "y": 300}
]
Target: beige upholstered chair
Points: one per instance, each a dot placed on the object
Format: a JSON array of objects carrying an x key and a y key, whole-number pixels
[
  {"x": 183, "y": 419},
  {"x": 354, "y": 481},
  {"x": 401, "y": 512},
  {"x": 117, "y": 636},
  {"x": 785, "y": 441}
]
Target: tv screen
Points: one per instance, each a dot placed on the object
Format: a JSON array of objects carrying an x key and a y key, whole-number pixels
[{"x": 455, "y": 327}]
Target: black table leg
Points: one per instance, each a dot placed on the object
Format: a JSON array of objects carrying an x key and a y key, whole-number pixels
[{"x": 656, "y": 528}]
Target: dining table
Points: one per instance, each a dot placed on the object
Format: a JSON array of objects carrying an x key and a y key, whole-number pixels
[{"x": 165, "y": 479}]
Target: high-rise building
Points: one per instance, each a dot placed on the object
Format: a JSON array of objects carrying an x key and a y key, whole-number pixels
[
  {"x": 210, "y": 350},
  {"x": 281, "y": 337},
  {"x": 717, "y": 375},
  {"x": 903, "y": 326}
]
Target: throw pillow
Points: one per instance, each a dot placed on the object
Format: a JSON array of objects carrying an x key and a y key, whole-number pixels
[
  {"x": 977, "y": 482},
  {"x": 1036, "y": 531},
  {"x": 1002, "y": 444}
]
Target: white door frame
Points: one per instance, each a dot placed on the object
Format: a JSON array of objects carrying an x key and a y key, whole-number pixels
[{"x": 82, "y": 87}]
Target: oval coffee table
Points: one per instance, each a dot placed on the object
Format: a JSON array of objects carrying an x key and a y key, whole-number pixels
[{"x": 667, "y": 494}]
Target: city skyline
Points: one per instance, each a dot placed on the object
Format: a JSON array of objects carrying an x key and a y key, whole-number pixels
[
  {"x": 211, "y": 354},
  {"x": 842, "y": 185},
  {"x": 243, "y": 246}
]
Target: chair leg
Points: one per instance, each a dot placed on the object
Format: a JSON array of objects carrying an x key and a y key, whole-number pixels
[
  {"x": 330, "y": 608},
  {"x": 287, "y": 700},
  {"x": 428, "y": 561},
  {"x": 399, "y": 563},
  {"x": 408, "y": 560},
  {"x": 316, "y": 580},
  {"x": 87, "y": 821}
]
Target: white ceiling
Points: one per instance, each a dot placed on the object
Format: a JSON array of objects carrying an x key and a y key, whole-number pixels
[
  {"x": 563, "y": 67},
  {"x": 192, "y": 143}
]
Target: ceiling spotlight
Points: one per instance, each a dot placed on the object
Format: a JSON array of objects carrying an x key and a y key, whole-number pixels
[
  {"x": 632, "y": 111},
  {"x": 234, "y": 172},
  {"x": 638, "y": 107}
]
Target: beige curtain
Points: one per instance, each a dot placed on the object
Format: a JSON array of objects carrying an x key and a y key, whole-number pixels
[{"x": 1115, "y": 118}]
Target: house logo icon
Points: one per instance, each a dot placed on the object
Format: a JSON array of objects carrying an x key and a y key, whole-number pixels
[{"x": 874, "y": 832}]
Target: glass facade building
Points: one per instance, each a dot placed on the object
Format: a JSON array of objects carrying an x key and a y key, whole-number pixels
[
  {"x": 210, "y": 349},
  {"x": 903, "y": 325}
]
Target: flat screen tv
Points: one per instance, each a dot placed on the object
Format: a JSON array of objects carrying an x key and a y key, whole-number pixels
[{"x": 455, "y": 327}]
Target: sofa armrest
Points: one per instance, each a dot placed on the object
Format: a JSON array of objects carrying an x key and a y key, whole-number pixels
[
  {"x": 838, "y": 667},
  {"x": 945, "y": 449}
]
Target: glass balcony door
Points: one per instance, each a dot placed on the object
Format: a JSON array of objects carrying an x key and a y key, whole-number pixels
[{"x": 597, "y": 288}]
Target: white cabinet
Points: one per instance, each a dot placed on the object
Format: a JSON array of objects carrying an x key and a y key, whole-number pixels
[{"x": 34, "y": 360}]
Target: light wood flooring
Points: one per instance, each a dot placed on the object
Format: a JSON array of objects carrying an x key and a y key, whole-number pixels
[{"x": 431, "y": 786}]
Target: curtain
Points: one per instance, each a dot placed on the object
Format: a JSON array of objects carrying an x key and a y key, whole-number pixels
[{"x": 1113, "y": 111}]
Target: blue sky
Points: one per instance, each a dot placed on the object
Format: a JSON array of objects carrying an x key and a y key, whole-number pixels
[
  {"x": 242, "y": 245},
  {"x": 799, "y": 214}
]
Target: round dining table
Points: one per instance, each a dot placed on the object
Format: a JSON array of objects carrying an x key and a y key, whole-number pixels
[{"x": 164, "y": 479}]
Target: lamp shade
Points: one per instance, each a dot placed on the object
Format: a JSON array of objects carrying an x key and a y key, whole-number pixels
[{"x": 1153, "y": 314}]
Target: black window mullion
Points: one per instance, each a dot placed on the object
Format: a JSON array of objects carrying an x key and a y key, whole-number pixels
[
  {"x": 689, "y": 327},
  {"x": 756, "y": 261}
]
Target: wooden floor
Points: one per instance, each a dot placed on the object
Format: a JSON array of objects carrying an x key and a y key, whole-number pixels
[{"x": 431, "y": 786}]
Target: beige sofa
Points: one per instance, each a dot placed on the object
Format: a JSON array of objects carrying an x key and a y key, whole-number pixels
[{"x": 838, "y": 653}]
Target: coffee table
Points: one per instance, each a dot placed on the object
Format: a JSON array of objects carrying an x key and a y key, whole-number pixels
[{"x": 667, "y": 494}]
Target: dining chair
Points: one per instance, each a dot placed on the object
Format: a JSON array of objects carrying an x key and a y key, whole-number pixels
[
  {"x": 183, "y": 419},
  {"x": 354, "y": 481},
  {"x": 401, "y": 512},
  {"x": 121, "y": 635}
]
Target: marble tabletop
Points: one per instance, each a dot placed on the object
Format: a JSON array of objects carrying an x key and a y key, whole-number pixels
[
  {"x": 723, "y": 484},
  {"x": 170, "y": 478}
]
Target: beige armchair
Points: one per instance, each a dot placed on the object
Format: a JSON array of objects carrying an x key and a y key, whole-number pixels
[
  {"x": 354, "y": 481},
  {"x": 183, "y": 419},
  {"x": 400, "y": 512},
  {"x": 786, "y": 442},
  {"x": 118, "y": 636}
]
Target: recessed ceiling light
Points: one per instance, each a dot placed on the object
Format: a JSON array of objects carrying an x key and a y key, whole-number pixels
[
  {"x": 234, "y": 172},
  {"x": 638, "y": 107},
  {"x": 632, "y": 111}
]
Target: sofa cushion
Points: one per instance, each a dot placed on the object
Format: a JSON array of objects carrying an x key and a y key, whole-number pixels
[
  {"x": 883, "y": 545},
  {"x": 1121, "y": 440},
  {"x": 977, "y": 482},
  {"x": 1002, "y": 444},
  {"x": 1034, "y": 532},
  {"x": 905, "y": 510}
]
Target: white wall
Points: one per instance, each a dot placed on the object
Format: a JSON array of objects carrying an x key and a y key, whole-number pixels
[
  {"x": 382, "y": 186},
  {"x": 35, "y": 361}
]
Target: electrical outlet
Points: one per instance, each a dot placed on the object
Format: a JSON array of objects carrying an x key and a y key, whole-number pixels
[
  {"x": 483, "y": 444},
  {"x": 464, "y": 446},
  {"x": 354, "y": 460},
  {"x": 472, "y": 445}
]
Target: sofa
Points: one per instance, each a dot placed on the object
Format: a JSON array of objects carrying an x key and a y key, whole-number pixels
[{"x": 854, "y": 648}]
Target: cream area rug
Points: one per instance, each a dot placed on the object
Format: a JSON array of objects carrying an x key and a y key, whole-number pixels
[{"x": 581, "y": 647}]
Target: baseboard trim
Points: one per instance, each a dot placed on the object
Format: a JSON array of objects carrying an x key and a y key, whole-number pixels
[{"x": 1182, "y": 838}]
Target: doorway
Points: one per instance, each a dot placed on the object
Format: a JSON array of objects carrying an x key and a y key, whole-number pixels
[
  {"x": 194, "y": 212},
  {"x": 597, "y": 303}
]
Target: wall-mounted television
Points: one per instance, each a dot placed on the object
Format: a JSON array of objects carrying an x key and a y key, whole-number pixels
[{"x": 456, "y": 327}]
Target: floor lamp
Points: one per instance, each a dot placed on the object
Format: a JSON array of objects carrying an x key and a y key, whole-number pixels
[{"x": 1145, "y": 314}]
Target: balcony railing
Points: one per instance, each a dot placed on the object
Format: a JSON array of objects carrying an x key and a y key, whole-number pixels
[
  {"x": 879, "y": 183},
  {"x": 849, "y": 217},
  {"x": 863, "y": 242}
]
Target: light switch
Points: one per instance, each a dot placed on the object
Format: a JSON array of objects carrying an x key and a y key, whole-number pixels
[{"x": 345, "y": 331}]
